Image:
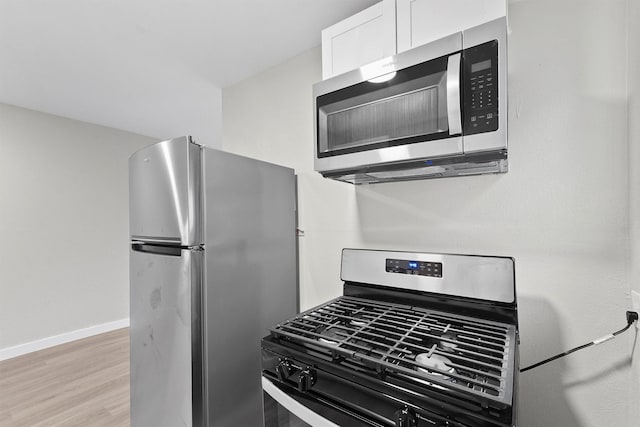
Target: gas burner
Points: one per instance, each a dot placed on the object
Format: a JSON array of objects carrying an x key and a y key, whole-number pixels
[
  {"x": 446, "y": 342},
  {"x": 434, "y": 361},
  {"x": 358, "y": 321},
  {"x": 330, "y": 337},
  {"x": 448, "y": 346}
]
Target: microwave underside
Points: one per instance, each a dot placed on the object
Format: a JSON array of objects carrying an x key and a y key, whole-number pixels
[{"x": 469, "y": 164}]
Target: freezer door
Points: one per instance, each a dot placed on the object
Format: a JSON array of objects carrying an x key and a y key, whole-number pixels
[
  {"x": 165, "y": 333},
  {"x": 165, "y": 199}
]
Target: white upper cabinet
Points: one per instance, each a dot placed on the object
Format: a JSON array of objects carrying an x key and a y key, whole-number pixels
[
  {"x": 393, "y": 26},
  {"x": 422, "y": 21},
  {"x": 360, "y": 39}
]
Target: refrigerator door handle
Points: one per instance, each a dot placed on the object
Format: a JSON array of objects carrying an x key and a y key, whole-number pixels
[
  {"x": 157, "y": 241},
  {"x": 175, "y": 251}
]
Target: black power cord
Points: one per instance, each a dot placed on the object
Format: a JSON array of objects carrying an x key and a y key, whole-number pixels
[{"x": 632, "y": 317}]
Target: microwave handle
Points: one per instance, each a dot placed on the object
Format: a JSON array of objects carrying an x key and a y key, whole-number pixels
[{"x": 453, "y": 95}]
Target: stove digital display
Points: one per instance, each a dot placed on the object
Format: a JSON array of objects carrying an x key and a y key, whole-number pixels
[{"x": 418, "y": 268}]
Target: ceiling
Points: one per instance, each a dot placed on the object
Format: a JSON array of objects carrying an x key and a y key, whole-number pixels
[{"x": 154, "y": 67}]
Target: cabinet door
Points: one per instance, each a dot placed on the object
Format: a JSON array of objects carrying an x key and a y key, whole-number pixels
[
  {"x": 360, "y": 39},
  {"x": 422, "y": 21}
]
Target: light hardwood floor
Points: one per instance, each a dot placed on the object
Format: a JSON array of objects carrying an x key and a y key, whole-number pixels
[{"x": 82, "y": 383}]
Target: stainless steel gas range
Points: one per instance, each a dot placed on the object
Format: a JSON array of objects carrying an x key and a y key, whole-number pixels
[{"x": 417, "y": 339}]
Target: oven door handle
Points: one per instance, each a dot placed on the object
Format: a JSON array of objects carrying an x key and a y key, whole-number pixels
[
  {"x": 454, "y": 115},
  {"x": 295, "y": 407}
]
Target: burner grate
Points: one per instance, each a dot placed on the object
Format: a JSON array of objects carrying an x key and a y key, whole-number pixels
[{"x": 477, "y": 354}]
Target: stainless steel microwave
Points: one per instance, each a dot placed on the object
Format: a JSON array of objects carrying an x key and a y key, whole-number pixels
[{"x": 437, "y": 110}]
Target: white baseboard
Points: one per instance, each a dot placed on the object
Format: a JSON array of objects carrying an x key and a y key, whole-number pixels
[{"x": 18, "y": 350}]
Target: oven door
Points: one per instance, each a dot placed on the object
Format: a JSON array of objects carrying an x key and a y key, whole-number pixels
[
  {"x": 282, "y": 410},
  {"x": 400, "y": 108},
  {"x": 286, "y": 407}
]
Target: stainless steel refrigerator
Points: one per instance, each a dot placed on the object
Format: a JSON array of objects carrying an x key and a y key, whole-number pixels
[{"x": 212, "y": 265}]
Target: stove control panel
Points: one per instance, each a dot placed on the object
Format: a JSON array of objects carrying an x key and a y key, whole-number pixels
[{"x": 418, "y": 268}]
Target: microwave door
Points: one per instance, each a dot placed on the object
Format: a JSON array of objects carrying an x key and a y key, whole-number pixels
[{"x": 414, "y": 113}]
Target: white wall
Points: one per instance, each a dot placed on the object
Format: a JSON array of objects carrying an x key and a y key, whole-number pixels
[
  {"x": 63, "y": 224},
  {"x": 633, "y": 21},
  {"x": 561, "y": 211}
]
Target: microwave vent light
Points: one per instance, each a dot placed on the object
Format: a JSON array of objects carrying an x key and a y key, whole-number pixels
[{"x": 383, "y": 78}]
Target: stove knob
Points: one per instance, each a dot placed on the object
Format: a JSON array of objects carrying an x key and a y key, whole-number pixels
[
  {"x": 283, "y": 370},
  {"x": 307, "y": 379},
  {"x": 405, "y": 418}
]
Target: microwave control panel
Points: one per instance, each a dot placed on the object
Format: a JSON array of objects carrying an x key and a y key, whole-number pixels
[{"x": 480, "y": 88}]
